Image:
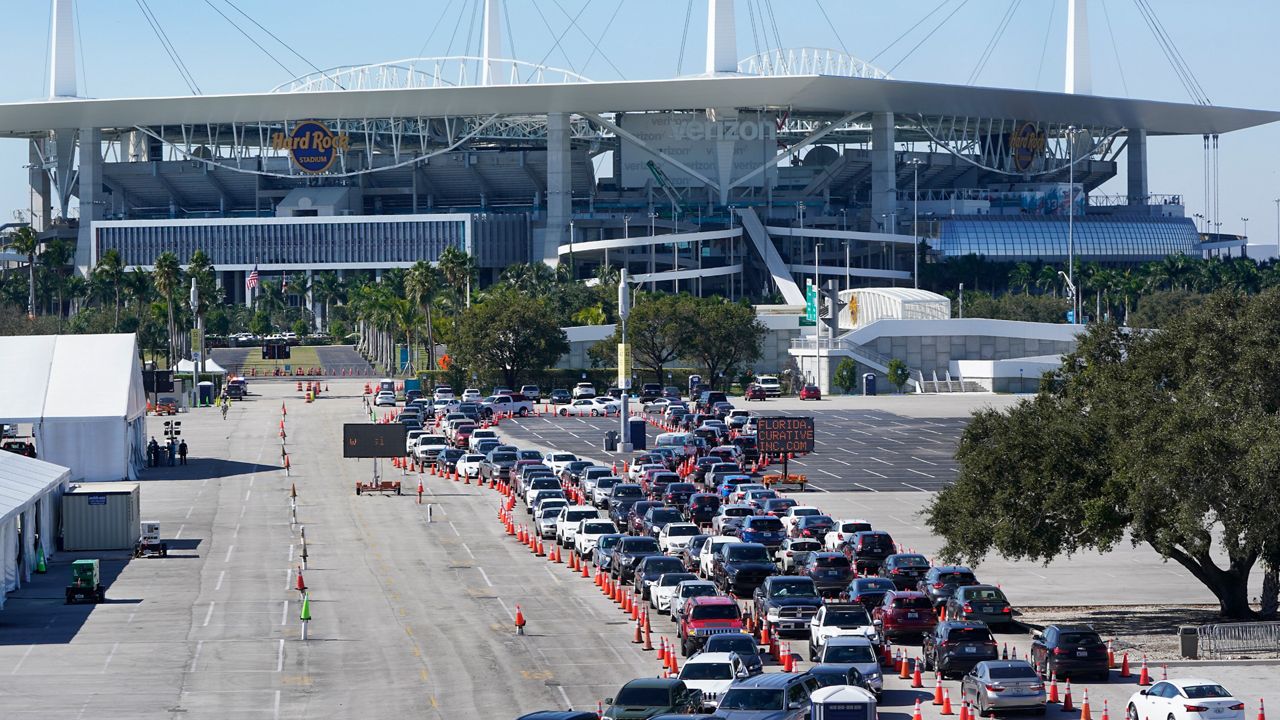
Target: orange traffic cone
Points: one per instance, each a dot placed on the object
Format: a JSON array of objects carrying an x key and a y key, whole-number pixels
[
  {"x": 903, "y": 672},
  {"x": 1053, "y": 688},
  {"x": 1124, "y": 665},
  {"x": 1144, "y": 676},
  {"x": 301, "y": 584},
  {"x": 964, "y": 711},
  {"x": 916, "y": 714},
  {"x": 1067, "y": 705},
  {"x": 573, "y": 562},
  {"x": 788, "y": 660},
  {"x": 764, "y": 634},
  {"x": 639, "y": 628},
  {"x": 519, "y": 621},
  {"x": 916, "y": 680},
  {"x": 1084, "y": 707},
  {"x": 648, "y": 633},
  {"x": 937, "y": 690},
  {"x": 583, "y": 567},
  {"x": 946, "y": 703},
  {"x": 1262, "y": 715},
  {"x": 1105, "y": 714},
  {"x": 1111, "y": 656},
  {"x": 662, "y": 650},
  {"x": 672, "y": 663}
]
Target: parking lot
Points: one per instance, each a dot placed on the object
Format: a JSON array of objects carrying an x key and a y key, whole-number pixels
[{"x": 412, "y": 612}]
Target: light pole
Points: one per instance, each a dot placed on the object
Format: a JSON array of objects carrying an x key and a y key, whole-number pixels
[
  {"x": 1277, "y": 202},
  {"x": 1071, "y": 288},
  {"x": 800, "y": 208},
  {"x": 653, "y": 217},
  {"x": 1071, "y": 219},
  {"x": 844, "y": 220},
  {"x": 961, "y": 301},
  {"x": 572, "y": 274},
  {"x": 1245, "y": 220},
  {"x": 1200, "y": 221},
  {"x": 624, "y": 369},
  {"x": 915, "y": 164}
]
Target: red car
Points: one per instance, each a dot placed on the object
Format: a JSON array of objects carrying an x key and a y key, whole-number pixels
[
  {"x": 904, "y": 613},
  {"x": 755, "y": 392},
  {"x": 810, "y": 392},
  {"x": 706, "y": 616}
]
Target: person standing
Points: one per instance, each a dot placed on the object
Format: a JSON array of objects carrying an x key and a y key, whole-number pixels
[
  {"x": 153, "y": 453},
  {"x": 182, "y": 452}
]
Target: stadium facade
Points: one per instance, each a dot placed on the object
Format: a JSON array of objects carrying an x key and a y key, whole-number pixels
[{"x": 746, "y": 180}]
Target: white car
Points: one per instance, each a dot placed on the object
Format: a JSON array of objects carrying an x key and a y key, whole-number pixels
[
  {"x": 588, "y": 531},
  {"x": 690, "y": 589},
  {"x": 480, "y": 434},
  {"x": 674, "y": 536},
  {"x": 656, "y": 407},
  {"x": 635, "y": 471},
  {"x": 1185, "y": 699},
  {"x": 608, "y": 403},
  {"x": 586, "y": 406},
  {"x": 469, "y": 465},
  {"x": 442, "y": 393},
  {"x": 795, "y": 512},
  {"x": 412, "y": 439},
  {"x": 712, "y": 673},
  {"x": 836, "y": 621},
  {"x": 794, "y": 552},
  {"x": 567, "y": 523},
  {"x": 739, "y": 494},
  {"x": 603, "y": 486},
  {"x": 661, "y": 592},
  {"x": 558, "y": 460},
  {"x": 772, "y": 387},
  {"x": 842, "y": 531},
  {"x": 385, "y": 399},
  {"x": 547, "y": 516},
  {"x": 584, "y": 390},
  {"x": 428, "y": 446},
  {"x": 471, "y": 395},
  {"x": 710, "y": 549}
]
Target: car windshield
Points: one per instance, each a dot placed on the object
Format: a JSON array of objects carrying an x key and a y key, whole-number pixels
[
  {"x": 504, "y": 457},
  {"x": 640, "y": 544},
  {"x": 988, "y": 594},
  {"x": 955, "y": 578},
  {"x": 715, "y": 612},
  {"x": 544, "y": 483},
  {"x": 963, "y": 634},
  {"x": 853, "y": 617},
  {"x": 666, "y": 516},
  {"x": 793, "y": 588},
  {"x": 672, "y": 579},
  {"x": 658, "y": 566},
  {"x": 698, "y": 590},
  {"x": 1196, "y": 692},
  {"x": 748, "y": 553},
  {"x": 801, "y": 512},
  {"x": 751, "y": 699},
  {"x": 550, "y": 509},
  {"x": 744, "y": 645},
  {"x": 837, "y": 562},
  {"x": 1079, "y": 638},
  {"x": 849, "y": 654},
  {"x": 681, "y": 530},
  {"x": 738, "y": 512},
  {"x": 597, "y": 527},
  {"x": 914, "y": 561},
  {"x": 765, "y": 524},
  {"x": 605, "y": 483},
  {"x": 913, "y": 603},
  {"x": 707, "y": 671},
  {"x": 574, "y": 515},
  {"x": 643, "y": 696},
  {"x": 873, "y": 584},
  {"x": 1012, "y": 672},
  {"x": 608, "y": 541},
  {"x": 623, "y": 491}
]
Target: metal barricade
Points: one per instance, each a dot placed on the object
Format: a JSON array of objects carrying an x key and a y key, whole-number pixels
[{"x": 1238, "y": 638}]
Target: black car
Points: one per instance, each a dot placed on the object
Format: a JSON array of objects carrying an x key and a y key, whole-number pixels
[
  {"x": 747, "y": 443},
  {"x": 560, "y": 397},
  {"x": 813, "y": 526},
  {"x": 953, "y": 648},
  {"x": 447, "y": 459},
  {"x": 940, "y": 583},
  {"x": 868, "y": 590},
  {"x": 831, "y": 572},
  {"x": 657, "y": 518},
  {"x": 602, "y": 556},
  {"x": 743, "y": 567},
  {"x": 572, "y": 472},
  {"x": 677, "y": 494},
  {"x": 703, "y": 507},
  {"x": 659, "y": 482},
  {"x": 868, "y": 549},
  {"x": 689, "y": 553},
  {"x": 635, "y": 516},
  {"x": 628, "y": 553},
  {"x": 786, "y": 603},
  {"x": 1069, "y": 651},
  {"x": 559, "y": 715},
  {"x": 650, "y": 392},
  {"x": 649, "y": 569},
  {"x": 906, "y": 570},
  {"x": 741, "y": 643}
]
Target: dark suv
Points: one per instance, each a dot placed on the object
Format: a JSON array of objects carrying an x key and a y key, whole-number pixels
[
  {"x": 904, "y": 613},
  {"x": 703, "y": 507},
  {"x": 868, "y": 549},
  {"x": 831, "y": 572},
  {"x": 953, "y": 648},
  {"x": 650, "y": 392},
  {"x": 628, "y": 553},
  {"x": 905, "y": 569},
  {"x": 1069, "y": 651},
  {"x": 743, "y": 567},
  {"x": 940, "y": 583}
]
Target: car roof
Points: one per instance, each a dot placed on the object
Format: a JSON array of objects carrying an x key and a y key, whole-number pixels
[
  {"x": 1072, "y": 628},
  {"x": 769, "y": 680},
  {"x": 713, "y": 600},
  {"x": 1000, "y": 664},
  {"x": 696, "y": 582},
  {"x": 827, "y": 555},
  {"x": 951, "y": 568},
  {"x": 654, "y": 682},
  {"x": 1188, "y": 682},
  {"x": 962, "y": 624},
  {"x": 711, "y": 657},
  {"x": 900, "y": 593},
  {"x": 850, "y": 640}
]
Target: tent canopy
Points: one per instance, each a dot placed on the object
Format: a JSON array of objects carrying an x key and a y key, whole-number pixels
[
  {"x": 24, "y": 479},
  {"x": 210, "y": 367}
]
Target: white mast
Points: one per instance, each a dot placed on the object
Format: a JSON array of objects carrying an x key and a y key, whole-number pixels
[
  {"x": 722, "y": 38},
  {"x": 62, "y": 75},
  {"x": 1079, "y": 71},
  {"x": 491, "y": 40}
]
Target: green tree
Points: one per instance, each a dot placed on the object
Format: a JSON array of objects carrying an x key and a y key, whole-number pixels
[
  {"x": 1154, "y": 437},
  {"x": 1020, "y": 277},
  {"x": 846, "y": 377},
  {"x": 200, "y": 268},
  {"x": 1158, "y": 309},
  {"x": 658, "y": 329},
  {"x": 168, "y": 278},
  {"x": 726, "y": 336},
  {"x": 509, "y": 334},
  {"x": 137, "y": 285},
  {"x": 260, "y": 323},
  {"x": 327, "y": 288},
  {"x": 898, "y": 374},
  {"x": 421, "y": 284},
  {"x": 300, "y": 327},
  {"x": 24, "y": 241},
  {"x": 459, "y": 270}
]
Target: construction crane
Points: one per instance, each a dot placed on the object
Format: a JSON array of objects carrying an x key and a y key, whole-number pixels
[{"x": 665, "y": 183}]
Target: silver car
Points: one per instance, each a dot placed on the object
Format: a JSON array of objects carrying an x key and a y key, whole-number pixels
[
  {"x": 1003, "y": 685},
  {"x": 858, "y": 651}
]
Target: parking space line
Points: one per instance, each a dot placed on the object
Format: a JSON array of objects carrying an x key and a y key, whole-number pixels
[
  {"x": 464, "y": 547},
  {"x": 228, "y": 557},
  {"x": 865, "y": 487},
  {"x": 455, "y": 529},
  {"x": 221, "y": 574},
  {"x": 485, "y": 576},
  {"x": 275, "y": 710},
  {"x": 926, "y": 462},
  {"x": 178, "y": 535},
  {"x": 208, "y": 615},
  {"x": 873, "y": 472},
  {"x": 842, "y": 462},
  {"x": 922, "y": 473},
  {"x": 564, "y": 695},
  {"x": 21, "y": 660},
  {"x": 280, "y": 657},
  {"x": 915, "y": 487},
  {"x": 195, "y": 657},
  {"x": 886, "y": 462},
  {"x": 553, "y": 575},
  {"x": 284, "y": 613},
  {"x": 828, "y": 472}
]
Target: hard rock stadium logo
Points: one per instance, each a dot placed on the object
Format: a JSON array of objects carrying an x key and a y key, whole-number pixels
[
  {"x": 312, "y": 146},
  {"x": 1026, "y": 144}
]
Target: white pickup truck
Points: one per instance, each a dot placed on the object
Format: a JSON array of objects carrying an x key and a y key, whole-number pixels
[
  {"x": 428, "y": 446},
  {"x": 505, "y": 405},
  {"x": 838, "y": 621}
]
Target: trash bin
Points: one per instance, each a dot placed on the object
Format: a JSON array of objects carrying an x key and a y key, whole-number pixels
[
  {"x": 869, "y": 384},
  {"x": 1189, "y": 641},
  {"x": 611, "y": 441},
  {"x": 636, "y": 427}
]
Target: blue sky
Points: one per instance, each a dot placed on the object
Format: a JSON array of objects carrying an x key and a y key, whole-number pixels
[{"x": 1231, "y": 45}]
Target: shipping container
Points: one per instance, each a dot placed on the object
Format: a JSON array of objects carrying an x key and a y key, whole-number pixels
[{"x": 101, "y": 516}]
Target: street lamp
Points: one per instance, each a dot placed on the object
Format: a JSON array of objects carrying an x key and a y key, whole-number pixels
[
  {"x": 915, "y": 164},
  {"x": 1200, "y": 222},
  {"x": 653, "y": 217},
  {"x": 1245, "y": 220},
  {"x": 572, "y": 274},
  {"x": 1071, "y": 288},
  {"x": 1071, "y": 218}
]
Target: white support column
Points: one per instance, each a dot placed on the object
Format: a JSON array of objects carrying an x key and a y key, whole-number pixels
[
  {"x": 559, "y": 187},
  {"x": 90, "y": 186},
  {"x": 62, "y": 70},
  {"x": 491, "y": 42},
  {"x": 1079, "y": 70},
  {"x": 722, "y": 38}
]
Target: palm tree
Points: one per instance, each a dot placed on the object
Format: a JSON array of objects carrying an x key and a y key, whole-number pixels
[
  {"x": 406, "y": 318},
  {"x": 459, "y": 270},
  {"x": 1020, "y": 277},
  {"x": 24, "y": 241},
  {"x": 168, "y": 281},
  {"x": 137, "y": 283},
  {"x": 55, "y": 257},
  {"x": 1047, "y": 279},
  {"x": 326, "y": 288},
  {"x": 108, "y": 275},
  {"x": 530, "y": 278},
  {"x": 271, "y": 299},
  {"x": 421, "y": 283}
]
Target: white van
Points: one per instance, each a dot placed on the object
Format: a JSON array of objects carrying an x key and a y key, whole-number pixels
[
  {"x": 772, "y": 387},
  {"x": 387, "y": 385}
]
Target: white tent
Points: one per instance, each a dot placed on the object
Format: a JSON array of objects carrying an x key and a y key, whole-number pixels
[
  {"x": 186, "y": 367},
  {"x": 83, "y": 395},
  {"x": 29, "y": 492}
]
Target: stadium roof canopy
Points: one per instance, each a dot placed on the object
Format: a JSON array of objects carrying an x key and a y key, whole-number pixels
[{"x": 800, "y": 95}]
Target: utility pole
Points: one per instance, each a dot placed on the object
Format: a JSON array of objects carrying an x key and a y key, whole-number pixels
[
  {"x": 624, "y": 370},
  {"x": 1071, "y": 219},
  {"x": 915, "y": 221}
]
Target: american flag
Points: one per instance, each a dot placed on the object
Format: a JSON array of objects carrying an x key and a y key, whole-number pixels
[{"x": 252, "y": 281}]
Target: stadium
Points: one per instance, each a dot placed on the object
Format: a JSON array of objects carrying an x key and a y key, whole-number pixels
[{"x": 747, "y": 180}]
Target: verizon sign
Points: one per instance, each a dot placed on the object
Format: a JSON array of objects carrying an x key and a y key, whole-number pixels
[{"x": 696, "y": 142}]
